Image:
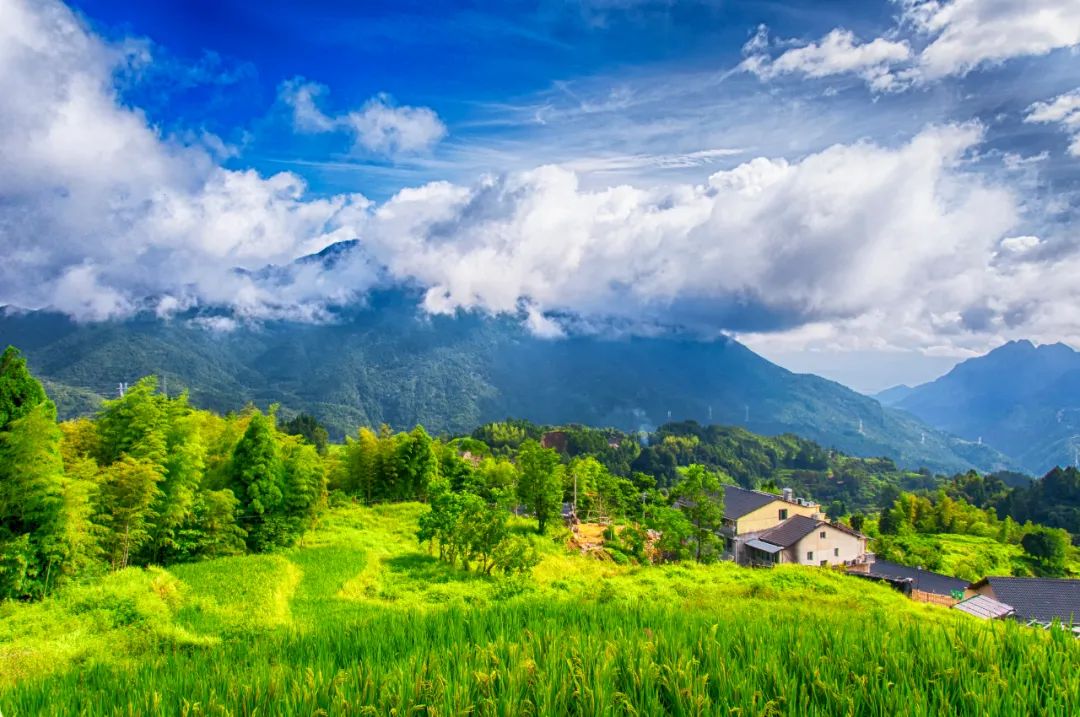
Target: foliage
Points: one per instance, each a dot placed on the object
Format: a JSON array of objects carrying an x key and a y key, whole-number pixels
[
  {"x": 700, "y": 496},
  {"x": 1048, "y": 547},
  {"x": 309, "y": 429},
  {"x": 20, "y": 392},
  {"x": 540, "y": 485}
]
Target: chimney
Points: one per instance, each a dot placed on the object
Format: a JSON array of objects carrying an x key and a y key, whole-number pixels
[{"x": 788, "y": 494}]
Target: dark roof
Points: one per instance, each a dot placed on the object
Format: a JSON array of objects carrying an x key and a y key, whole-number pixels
[
  {"x": 925, "y": 580},
  {"x": 791, "y": 531},
  {"x": 1041, "y": 599},
  {"x": 740, "y": 501},
  {"x": 984, "y": 607}
]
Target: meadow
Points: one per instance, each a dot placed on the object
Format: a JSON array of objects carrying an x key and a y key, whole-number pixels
[{"x": 359, "y": 619}]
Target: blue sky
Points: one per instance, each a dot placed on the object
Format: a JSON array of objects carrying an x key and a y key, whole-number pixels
[{"x": 870, "y": 190}]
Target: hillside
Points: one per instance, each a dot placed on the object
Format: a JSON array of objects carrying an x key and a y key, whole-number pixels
[
  {"x": 385, "y": 364},
  {"x": 1020, "y": 398},
  {"x": 360, "y": 615}
]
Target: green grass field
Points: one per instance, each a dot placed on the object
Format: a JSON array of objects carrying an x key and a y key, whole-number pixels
[{"x": 360, "y": 620}]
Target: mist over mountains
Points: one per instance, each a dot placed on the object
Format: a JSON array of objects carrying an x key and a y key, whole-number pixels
[{"x": 387, "y": 362}]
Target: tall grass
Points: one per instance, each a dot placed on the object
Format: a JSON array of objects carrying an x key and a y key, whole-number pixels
[
  {"x": 360, "y": 620},
  {"x": 531, "y": 658}
]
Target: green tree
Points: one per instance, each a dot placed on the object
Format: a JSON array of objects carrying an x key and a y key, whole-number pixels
[
  {"x": 127, "y": 494},
  {"x": 1048, "y": 547},
  {"x": 136, "y": 424},
  {"x": 257, "y": 477},
  {"x": 700, "y": 496},
  {"x": 675, "y": 532},
  {"x": 416, "y": 465},
  {"x": 36, "y": 549},
  {"x": 305, "y": 486},
  {"x": 184, "y": 468},
  {"x": 540, "y": 485},
  {"x": 309, "y": 429},
  {"x": 20, "y": 392}
]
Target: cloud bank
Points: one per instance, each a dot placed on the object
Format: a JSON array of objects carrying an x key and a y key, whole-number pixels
[{"x": 103, "y": 215}]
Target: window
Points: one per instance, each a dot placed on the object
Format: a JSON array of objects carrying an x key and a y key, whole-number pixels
[
  {"x": 810, "y": 555},
  {"x": 836, "y": 552},
  {"x": 821, "y": 535},
  {"x": 824, "y": 563},
  {"x": 783, "y": 514}
]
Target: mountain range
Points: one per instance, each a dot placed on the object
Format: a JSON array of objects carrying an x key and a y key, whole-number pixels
[
  {"x": 1020, "y": 398},
  {"x": 386, "y": 362}
]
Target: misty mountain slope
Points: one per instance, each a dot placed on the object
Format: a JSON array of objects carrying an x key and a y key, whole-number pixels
[
  {"x": 386, "y": 363},
  {"x": 1021, "y": 399}
]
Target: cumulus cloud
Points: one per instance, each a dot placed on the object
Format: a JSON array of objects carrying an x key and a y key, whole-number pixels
[
  {"x": 954, "y": 37},
  {"x": 378, "y": 126},
  {"x": 103, "y": 216},
  {"x": 965, "y": 34},
  {"x": 838, "y": 53},
  {"x": 768, "y": 244},
  {"x": 1063, "y": 110}
]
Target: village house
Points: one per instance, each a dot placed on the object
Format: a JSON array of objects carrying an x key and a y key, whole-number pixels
[
  {"x": 1032, "y": 600},
  {"x": 916, "y": 583},
  {"x": 803, "y": 540},
  {"x": 801, "y": 536}
]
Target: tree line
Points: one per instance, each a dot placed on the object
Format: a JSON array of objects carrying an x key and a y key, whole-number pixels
[{"x": 150, "y": 480}]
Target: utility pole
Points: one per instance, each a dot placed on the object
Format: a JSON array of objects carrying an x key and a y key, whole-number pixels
[
  {"x": 122, "y": 387},
  {"x": 165, "y": 385}
]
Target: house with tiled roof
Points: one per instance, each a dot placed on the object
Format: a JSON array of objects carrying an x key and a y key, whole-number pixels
[
  {"x": 806, "y": 540},
  {"x": 1033, "y": 600},
  {"x": 917, "y": 583},
  {"x": 749, "y": 512}
]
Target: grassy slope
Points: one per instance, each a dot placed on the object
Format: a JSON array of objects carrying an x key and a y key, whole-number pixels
[{"x": 359, "y": 615}]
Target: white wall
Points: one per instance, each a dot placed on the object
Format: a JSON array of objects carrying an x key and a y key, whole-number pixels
[{"x": 836, "y": 547}]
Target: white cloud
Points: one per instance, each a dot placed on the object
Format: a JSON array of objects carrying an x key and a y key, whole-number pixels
[
  {"x": 838, "y": 53},
  {"x": 954, "y": 37},
  {"x": 1020, "y": 244},
  {"x": 379, "y": 126},
  {"x": 1064, "y": 110},
  {"x": 899, "y": 245},
  {"x": 834, "y": 235},
  {"x": 966, "y": 34},
  {"x": 101, "y": 214}
]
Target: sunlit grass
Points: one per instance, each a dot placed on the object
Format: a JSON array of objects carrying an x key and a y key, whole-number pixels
[{"x": 360, "y": 619}]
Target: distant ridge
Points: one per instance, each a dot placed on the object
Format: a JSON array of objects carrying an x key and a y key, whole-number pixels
[
  {"x": 1020, "y": 398},
  {"x": 386, "y": 362}
]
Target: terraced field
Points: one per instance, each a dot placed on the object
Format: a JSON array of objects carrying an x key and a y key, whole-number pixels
[{"x": 361, "y": 620}]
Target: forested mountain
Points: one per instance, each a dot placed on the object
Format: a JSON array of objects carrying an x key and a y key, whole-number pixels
[
  {"x": 1022, "y": 399},
  {"x": 385, "y": 363}
]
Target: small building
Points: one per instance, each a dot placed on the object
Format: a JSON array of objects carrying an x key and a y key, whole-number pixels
[
  {"x": 1034, "y": 600},
  {"x": 747, "y": 513},
  {"x": 985, "y": 607},
  {"x": 805, "y": 540},
  {"x": 916, "y": 583}
]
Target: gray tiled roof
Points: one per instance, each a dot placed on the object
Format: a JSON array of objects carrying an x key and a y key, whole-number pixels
[
  {"x": 1041, "y": 599},
  {"x": 740, "y": 501},
  {"x": 925, "y": 580},
  {"x": 791, "y": 531}
]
